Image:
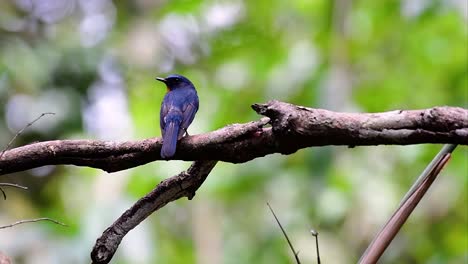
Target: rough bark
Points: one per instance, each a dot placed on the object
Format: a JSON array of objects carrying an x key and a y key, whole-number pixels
[
  {"x": 182, "y": 185},
  {"x": 292, "y": 128}
]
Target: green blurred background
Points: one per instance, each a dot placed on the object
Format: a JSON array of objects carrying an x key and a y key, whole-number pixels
[{"x": 93, "y": 63}]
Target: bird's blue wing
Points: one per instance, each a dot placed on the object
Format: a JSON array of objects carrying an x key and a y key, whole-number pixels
[
  {"x": 162, "y": 114},
  {"x": 189, "y": 110}
]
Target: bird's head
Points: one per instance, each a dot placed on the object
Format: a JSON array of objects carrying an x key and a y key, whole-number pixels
[{"x": 175, "y": 81}]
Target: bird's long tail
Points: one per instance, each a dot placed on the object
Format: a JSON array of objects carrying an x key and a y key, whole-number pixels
[{"x": 170, "y": 139}]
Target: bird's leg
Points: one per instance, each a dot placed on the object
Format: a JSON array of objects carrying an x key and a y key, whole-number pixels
[{"x": 186, "y": 132}]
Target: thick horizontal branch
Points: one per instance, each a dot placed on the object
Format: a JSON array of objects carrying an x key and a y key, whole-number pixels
[
  {"x": 292, "y": 128},
  {"x": 182, "y": 185}
]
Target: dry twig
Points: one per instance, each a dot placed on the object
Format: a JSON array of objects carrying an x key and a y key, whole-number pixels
[
  {"x": 315, "y": 234},
  {"x": 33, "y": 221},
  {"x": 296, "y": 253},
  {"x": 21, "y": 131},
  {"x": 10, "y": 185}
]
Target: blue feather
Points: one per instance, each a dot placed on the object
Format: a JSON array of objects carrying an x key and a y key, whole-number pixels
[{"x": 170, "y": 139}]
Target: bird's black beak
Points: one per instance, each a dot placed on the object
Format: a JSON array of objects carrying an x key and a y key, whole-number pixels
[{"x": 161, "y": 79}]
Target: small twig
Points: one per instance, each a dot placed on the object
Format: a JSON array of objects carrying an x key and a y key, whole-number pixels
[
  {"x": 315, "y": 234},
  {"x": 10, "y": 185},
  {"x": 13, "y": 185},
  {"x": 406, "y": 207},
  {"x": 21, "y": 131},
  {"x": 32, "y": 221},
  {"x": 296, "y": 254},
  {"x": 8, "y": 147}
]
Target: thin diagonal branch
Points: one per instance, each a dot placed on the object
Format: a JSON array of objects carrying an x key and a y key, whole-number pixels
[
  {"x": 292, "y": 128},
  {"x": 21, "y": 131},
  {"x": 9, "y": 145},
  {"x": 296, "y": 253},
  {"x": 182, "y": 185},
  {"x": 406, "y": 207}
]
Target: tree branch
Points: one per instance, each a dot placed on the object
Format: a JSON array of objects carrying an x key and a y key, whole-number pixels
[
  {"x": 293, "y": 128},
  {"x": 182, "y": 185}
]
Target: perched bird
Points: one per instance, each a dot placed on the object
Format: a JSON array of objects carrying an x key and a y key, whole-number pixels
[{"x": 178, "y": 108}]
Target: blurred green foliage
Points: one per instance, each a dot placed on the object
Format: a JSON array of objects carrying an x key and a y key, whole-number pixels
[{"x": 94, "y": 63}]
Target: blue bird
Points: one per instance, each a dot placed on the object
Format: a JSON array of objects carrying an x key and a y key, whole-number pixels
[{"x": 178, "y": 108}]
